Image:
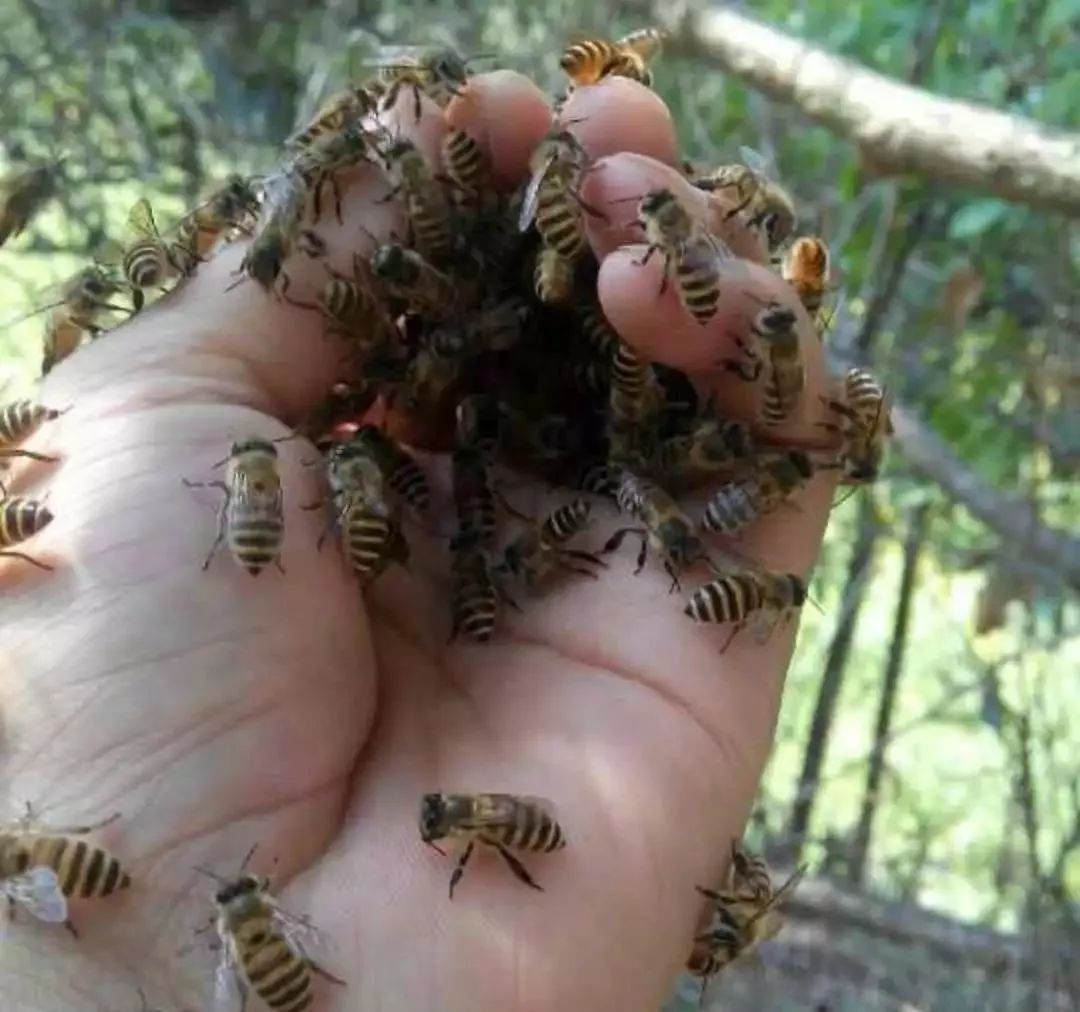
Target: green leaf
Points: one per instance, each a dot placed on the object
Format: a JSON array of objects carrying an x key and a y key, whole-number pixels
[{"x": 976, "y": 218}]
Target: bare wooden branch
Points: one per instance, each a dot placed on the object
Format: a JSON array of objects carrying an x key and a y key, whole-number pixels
[
  {"x": 1011, "y": 517},
  {"x": 901, "y": 129}
]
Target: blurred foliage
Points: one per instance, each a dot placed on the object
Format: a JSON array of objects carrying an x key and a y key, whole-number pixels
[{"x": 979, "y": 337}]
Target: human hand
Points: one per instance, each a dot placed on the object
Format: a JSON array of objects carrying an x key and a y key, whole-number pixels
[{"x": 216, "y": 711}]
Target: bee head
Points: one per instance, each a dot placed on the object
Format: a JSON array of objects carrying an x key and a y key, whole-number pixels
[
  {"x": 449, "y": 66},
  {"x": 737, "y": 438},
  {"x": 800, "y": 460},
  {"x": 391, "y": 262},
  {"x": 253, "y": 445},
  {"x": 655, "y": 201},
  {"x": 245, "y": 885},
  {"x": 775, "y": 319},
  {"x": 797, "y": 586},
  {"x": 433, "y": 811}
]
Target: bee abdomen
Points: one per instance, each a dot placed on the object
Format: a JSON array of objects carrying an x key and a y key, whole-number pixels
[
  {"x": 600, "y": 334},
  {"x": 584, "y": 62},
  {"x": 475, "y": 604},
  {"x": 255, "y": 541},
  {"x": 464, "y": 160},
  {"x": 727, "y": 599},
  {"x": 367, "y": 537},
  {"x": 699, "y": 286},
  {"x": 20, "y": 419},
  {"x": 553, "y": 276},
  {"x": 566, "y": 521},
  {"x": 730, "y": 509},
  {"x": 431, "y": 228},
  {"x": 278, "y": 975},
  {"x": 558, "y": 221},
  {"x": 146, "y": 264},
  {"x": 20, "y": 518},
  {"x": 408, "y": 481},
  {"x": 82, "y": 870},
  {"x": 773, "y": 404}
]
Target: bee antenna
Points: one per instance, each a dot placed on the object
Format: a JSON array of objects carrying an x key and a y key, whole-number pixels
[
  {"x": 211, "y": 874},
  {"x": 436, "y": 847},
  {"x": 248, "y": 856},
  {"x": 815, "y": 604}
]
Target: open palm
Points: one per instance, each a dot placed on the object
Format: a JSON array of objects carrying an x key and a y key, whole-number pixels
[{"x": 215, "y": 711}]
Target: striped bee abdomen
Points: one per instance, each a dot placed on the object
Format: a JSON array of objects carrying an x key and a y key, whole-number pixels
[
  {"x": 20, "y": 419},
  {"x": 82, "y": 869},
  {"x": 564, "y": 522},
  {"x": 558, "y": 219},
  {"x": 20, "y": 518},
  {"x": 727, "y": 599},
  {"x": 473, "y": 598},
  {"x": 730, "y": 509},
  {"x": 553, "y": 276},
  {"x": 366, "y": 535},
  {"x": 533, "y": 829},
  {"x": 146, "y": 264},
  {"x": 699, "y": 282},
  {"x": 254, "y": 535},
  {"x": 463, "y": 160},
  {"x": 274, "y": 970}
]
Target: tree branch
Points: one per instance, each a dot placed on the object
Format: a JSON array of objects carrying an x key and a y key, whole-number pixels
[
  {"x": 1013, "y": 519},
  {"x": 899, "y": 128}
]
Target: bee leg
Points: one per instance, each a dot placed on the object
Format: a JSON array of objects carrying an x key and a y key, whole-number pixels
[
  {"x": 335, "y": 189},
  {"x": 615, "y": 541},
  {"x": 584, "y": 556},
  {"x": 220, "y": 537},
  {"x": 71, "y": 928},
  {"x": 277, "y": 563},
  {"x": 82, "y": 830},
  {"x": 739, "y": 208},
  {"x": 26, "y": 558},
  {"x": 736, "y": 629},
  {"x": 138, "y": 300},
  {"x": 647, "y": 255},
  {"x": 517, "y": 867},
  {"x": 29, "y": 454},
  {"x": 325, "y": 974},
  {"x": 670, "y": 570},
  {"x": 417, "y": 107},
  {"x": 459, "y": 868},
  {"x": 750, "y": 372}
]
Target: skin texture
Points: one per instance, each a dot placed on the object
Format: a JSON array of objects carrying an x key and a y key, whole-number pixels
[{"x": 214, "y": 710}]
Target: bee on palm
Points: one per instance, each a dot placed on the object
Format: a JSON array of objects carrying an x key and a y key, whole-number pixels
[
  {"x": 747, "y": 914},
  {"x": 538, "y": 555},
  {"x": 319, "y": 162},
  {"x": 401, "y": 472},
  {"x": 338, "y": 112},
  {"x": 806, "y": 269},
  {"x": 263, "y": 948},
  {"x": 714, "y": 446},
  {"x": 503, "y": 822},
  {"x": 689, "y": 251},
  {"x": 773, "y": 328},
  {"x": 24, "y": 194},
  {"x": 406, "y": 276},
  {"x": 591, "y": 60},
  {"x": 19, "y": 420},
  {"x": 370, "y": 527},
  {"x": 251, "y": 520},
  {"x": 771, "y": 484},
  {"x": 764, "y": 203},
  {"x": 42, "y": 867},
  {"x": 666, "y": 529},
  {"x": 150, "y": 261},
  {"x": 743, "y": 596}
]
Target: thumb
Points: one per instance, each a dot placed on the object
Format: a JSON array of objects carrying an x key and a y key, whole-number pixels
[{"x": 214, "y": 340}]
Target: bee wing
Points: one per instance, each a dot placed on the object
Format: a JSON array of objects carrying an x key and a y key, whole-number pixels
[
  {"x": 141, "y": 219},
  {"x": 532, "y": 192},
  {"x": 499, "y": 809},
  {"x": 645, "y": 42},
  {"x": 755, "y": 160},
  {"x": 38, "y": 890},
  {"x": 302, "y": 935},
  {"x": 227, "y": 994}
]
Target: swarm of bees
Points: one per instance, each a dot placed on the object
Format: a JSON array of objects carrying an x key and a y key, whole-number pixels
[{"x": 482, "y": 322}]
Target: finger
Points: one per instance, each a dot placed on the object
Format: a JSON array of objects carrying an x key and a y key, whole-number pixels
[
  {"x": 240, "y": 343},
  {"x": 615, "y": 184},
  {"x": 508, "y": 115},
  {"x": 621, "y": 115}
]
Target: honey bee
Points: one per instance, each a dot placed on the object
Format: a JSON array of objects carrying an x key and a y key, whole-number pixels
[
  {"x": 592, "y": 60},
  {"x": 42, "y": 867},
  {"x": 710, "y": 448},
  {"x": 21, "y": 518},
  {"x": 766, "y": 203},
  {"x": 741, "y": 502},
  {"x": 319, "y": 162},
  {"x": 666, "y": 529},
  {"x": 474, "y": 596},
  {"x": 806, "y": 269},
  {"x": 340, "y": 111},
  {"x": 23, "y": 195},
  {"x": 149, "y": 261},
  {"x": 741, "y": 596},
  {"x": 407, "y": 276},
  {"x": 83, "y": 301},
  {"x": 866, "y": 426},
  {"x": 251, "y": 518},
  {"x": 370, "y": 529},
  {"x": 551, "y": 198},
  {"x": 599, "y": 333},
  {"x": 18, "y": 421},
  {"x": 537, "y": 555},
  {"x": 745, "y": 917},
  {"x": 401, "y": 472},
  {"x": 635, "y": 392},
  {"x": 774, "y": 326},
  {"x": 439, "y": 74},
  {"x": 688, "y": 249},
  {"x": 262, "y": 948},
  {"x": 425, "y": 202},
  {"x": 474, "y": 496},
  {"x": 278, "y": 231},
  {"x": 505, "y": 822},
  {"x": 348, "y": 303},
  {"x": 553, "y": 277},
  {"x": 465, "y": 163},
  {"x": 229, "y": 207}
]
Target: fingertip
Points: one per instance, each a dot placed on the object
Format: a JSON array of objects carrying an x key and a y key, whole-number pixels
[
  {"x": 618, "y": 114},
  {"x": 508, "y": 115}
]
